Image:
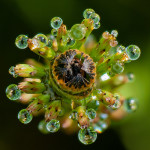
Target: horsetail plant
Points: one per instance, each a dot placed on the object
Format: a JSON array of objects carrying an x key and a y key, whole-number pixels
[{"x": 76, "y": 87}]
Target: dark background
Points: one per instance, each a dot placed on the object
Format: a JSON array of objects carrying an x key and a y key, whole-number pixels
[{"x": 132, "y": 20}]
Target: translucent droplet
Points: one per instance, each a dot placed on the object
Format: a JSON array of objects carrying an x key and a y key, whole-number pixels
[
  {"x": 24, "y": 116},
  {"x": 42, "y": 40},
  {"x": 113, "y": 43},
  {"x": 93, "y": 104},
  {"x": 21, "y": 41},
  {"x": 116, "y": 105},
  {"x": 103, "y": 116},
  {"x": 88, "y": 12},
  {"x": 133, "y": 52},
  {"x": 70, "y": 42},
  {"x": 97, "y": 25},
  {"x": 130, "y": 76},
  {"x": 87, "y": 135},
  {"x": 54, "y": 32},
  {"x": 78, "y": 31},
  {"x": 42, "y": 127},
  {"x": 13, "y": 92},
  {"x": 100, "y": 126},
  {"x": 114, "y": 33},
  {"x": 117, "y": 68},
  {"x": 12, "y": 72},
  {"x": 95, "y": 17},
  {"x": 120, "y": 49},
  {"x": 53, "y": 125},
  {"x": 74, "y": 115},
  {"x": 130, "y": 105},
  {"x": 56, "y": 22},
  {"x": 91, "y": 113},
  {"x": 50, "y": 43}
]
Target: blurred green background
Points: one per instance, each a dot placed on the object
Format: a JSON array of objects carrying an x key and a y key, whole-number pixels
[{"x": 132, "y": 20}]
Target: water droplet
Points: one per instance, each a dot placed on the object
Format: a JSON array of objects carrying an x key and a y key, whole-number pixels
[
  {"x": 56, "y": 22},
  {"x": 42, "y": 40},
  {"x": 21, "y": 41},
  {"x": 74, "y": 115},
  {"x": 133, "y": 52},
  {"x": 13, "y": 92},
  {"x": 24, "y": 116},
  {"x": 93, "y": 104},
  {"x": 117, "y": 68},
  {"x": 116, "y": 105},
  {"x": 50, "y": 43},
  {"x": 120, "y": 49},
  {"x": 70, "y": 42},
  {"x": 53, "y": 126},
  {"x": 87, "y": 135},
  {"x": 97, "y": 25},
  {"x": 130, "y": 76},
  {"x": 130, "y": 105},
  {"x": 114, "y": 33},
  {"x": 78, "y": 31},
  {"x": 54, "y": 32},
  {"x": 95, "y": 17},
  {"x": 91, "y": 113},
  {"x": 103, "y": 116},
  {"x": 42, "y": 127},
  {"x": 100, "y": 126},
  {"x": 88, "y": 12},
  {"x": 12, "y": 72}
]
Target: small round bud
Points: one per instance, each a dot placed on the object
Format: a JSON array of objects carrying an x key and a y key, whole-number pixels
[
  {"x": 56, "y": 22},
  {"x": 87, "y": 13},
  {"x": 25, "y": 116},
  {"x": 21, "y": 41},
  {"x": 105, "y": 35},
  {"x": 87, "y": 135},
  {"x": 91, "y": 113},
  {"x": 13, "y": 92},
  {"x": 133, "y": 52},
  {"x": 117, "y": 68},
  {"x": 113, "y": 43},
  {"x": 78, "y": 31},
  {"x": 95, "y": 17},
  {"x": 42, "y": 127},
  {"x": 53, "y": 126},
  {"x": 130, "y": 105}
]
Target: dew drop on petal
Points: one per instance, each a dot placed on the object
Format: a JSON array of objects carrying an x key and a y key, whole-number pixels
[
  {"x": 25, "y": 116},
  {"x": 22, "y": 41},
  {"x": 78, "y": 31},
  {"x": 91, "y": 113},
  {"x": 74, "y": 115},
  {"x": 13, "y": 92},
  {"x": 87, "y": 13},
  {"x": 87, "y": 135},
  {"x": 56, "y": 22},
  {"x": 133, "y": 52},
  {"x": 41, "y": 39},
  {"x": 53, "y": 125},
  {"x": 95, "y": 17},
  {"x": 130, "y": 105}
]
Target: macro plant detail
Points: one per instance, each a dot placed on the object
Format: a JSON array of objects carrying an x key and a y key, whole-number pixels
[{"x": 76, "y": 88}]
